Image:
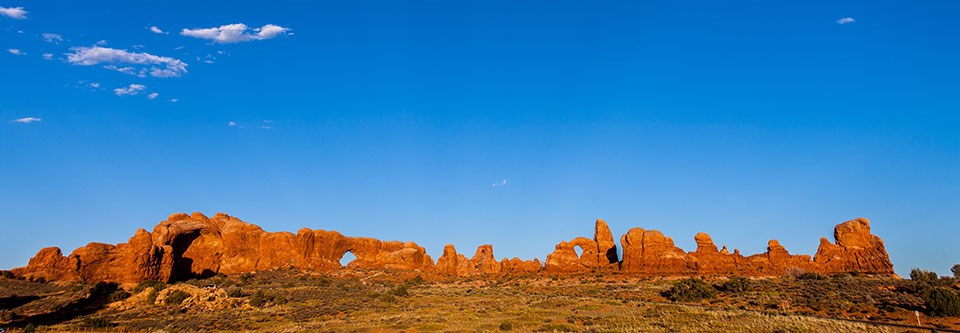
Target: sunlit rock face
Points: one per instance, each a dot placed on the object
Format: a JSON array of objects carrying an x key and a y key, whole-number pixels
[{"x": 195, "y": 246}]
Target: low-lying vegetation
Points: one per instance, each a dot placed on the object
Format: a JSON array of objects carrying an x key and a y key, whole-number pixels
[{"x": 289, "y": 300}]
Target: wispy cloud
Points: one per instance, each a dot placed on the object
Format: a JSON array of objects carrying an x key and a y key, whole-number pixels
[
  {"x": 27, "y": 120},
  {"x": 153, "y": 95},
  {"x": 235, "y": 33},
  {"x": 846, "y": 20},
  {"x": 47, "y": 56},
  {"x": 51, "y": 37},
  {"x": 156, "y": 30},
  {"x": 502, "y": 182},
  {"x": 16, "y": 52},
  {"x": 16, "y": 13},
  {"x": 232, "y": 124},
  {"x": 141, "y": 64},
  {"x": 133, "y": 89}
]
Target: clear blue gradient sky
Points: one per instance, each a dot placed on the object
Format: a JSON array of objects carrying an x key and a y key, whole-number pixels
[{"x": 748, "y": 120}]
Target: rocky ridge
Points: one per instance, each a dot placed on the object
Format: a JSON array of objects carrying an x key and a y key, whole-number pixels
[{"x": 191, "y": 246}]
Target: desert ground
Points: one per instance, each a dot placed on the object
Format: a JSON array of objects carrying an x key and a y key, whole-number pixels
[{"x": 289, "y": 300}]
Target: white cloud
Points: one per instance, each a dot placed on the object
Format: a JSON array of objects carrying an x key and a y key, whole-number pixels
[
  {"x": 95, "y": 85},
  {"x": 156, "y": 30},
  {"x": 133, "y": 89},
  {"x": 846, "y": 20},
  {"x": 47, "y": 56},
  {"x": 16, "y": 13},
  {"x": 156, "y": 66},
  {"x": 174, "y": 100},
  {"x": 51, "y": 37},
  {"x": 102, "y": 42},
  {"x": 232, "y": 124},
  {"x": 27, "y": 120},
  {"x": 16, "y": 52},
  {"x": 502, "y": 182},
  {"x": 153, "y": 95},
  {"x": 235, "y": 33}
]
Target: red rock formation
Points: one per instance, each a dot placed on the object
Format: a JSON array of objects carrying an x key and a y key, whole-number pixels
[
  {"x": 599, "y": 252},
  {"x": 455, "y": 264},
  {"x": 483, "y": 262},
  {"x": 708, "y": 260},
  {"x": 184, "y": 246},
  {"x": 650, "y": 252},
  {"x": 857, "y": 250}
]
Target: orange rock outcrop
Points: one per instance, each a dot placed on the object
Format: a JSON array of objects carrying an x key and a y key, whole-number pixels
[{"x": 188, "y": 246}]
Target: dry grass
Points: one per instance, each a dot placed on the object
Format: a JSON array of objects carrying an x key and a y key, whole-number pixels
[{"x": 371, "y": 302}]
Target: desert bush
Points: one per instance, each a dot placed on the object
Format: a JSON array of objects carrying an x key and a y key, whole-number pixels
[
  {"x": 279, "y": 300},
  {"x": 923, "y": 276},
  {"x": 689, "y": 290},
  {"x": 8, "y": 274},
  {"x": 176, "y": 297},
  {"x": 258, "y": 299},
  {"x": 157, "y": 285},
  {"x": 400, "y": 291},
  {"x": 956, "y": 271},
  {"x": 736, "y": 284},
  {"x": 942, "y": 302},
  {"x": 506, "y": 326},
  {"x": 30, "y": 328},
  {"x": 97, "y": 322}
]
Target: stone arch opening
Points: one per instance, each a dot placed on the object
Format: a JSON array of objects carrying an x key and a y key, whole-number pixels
[
  {"x": 578, "y": 250},
  {"x": 347, "y": 258}
]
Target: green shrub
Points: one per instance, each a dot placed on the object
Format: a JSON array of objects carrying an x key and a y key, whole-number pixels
[
  {"x": 401, "y": 291},
  {"x": 942, "y": 302},
  {"x": 258, "y": 299},
  {"x": 956, "y": 271},
  {"x": 157, "y": 285},
  {"x": 919, "y": 275},
  {"x": 736, "y": 284},
  {"x": 30, "y": 328},
  {"x": 176, "y": 297},
  {"x": 279, "y": 300},
  {"x": 689, "y": 290},
  {"x": 506, "y": 326}
]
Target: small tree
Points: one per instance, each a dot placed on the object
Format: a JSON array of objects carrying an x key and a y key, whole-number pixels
[
  {"x": 942, "y": 302},
  {"x": 956, "y": 271}
]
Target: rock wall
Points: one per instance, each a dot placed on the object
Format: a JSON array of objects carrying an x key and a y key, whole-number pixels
[{"x": 189, "y": 246}]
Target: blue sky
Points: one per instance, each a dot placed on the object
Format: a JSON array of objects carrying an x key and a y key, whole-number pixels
[{"x": 515, "y": 124}]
